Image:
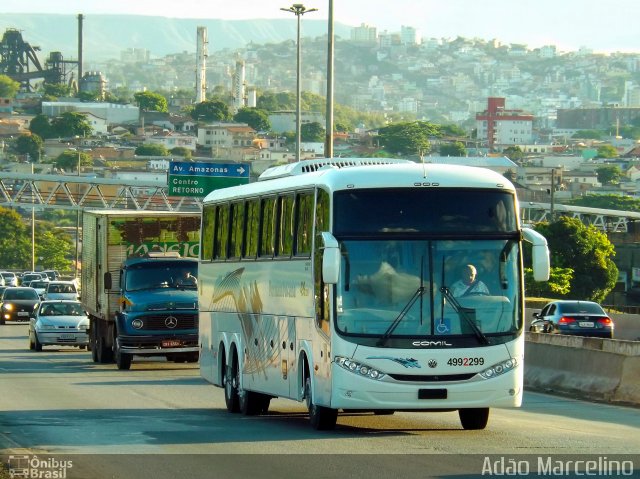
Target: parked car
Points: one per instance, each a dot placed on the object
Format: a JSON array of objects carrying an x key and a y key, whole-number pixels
[
  {"x": 18, "y": 304},
  {"x": 61, "y": 290},
  {"x": 580, "y": 318},
  {"x": 10, "y": 279},
  {"x": 59, "y": 322}
]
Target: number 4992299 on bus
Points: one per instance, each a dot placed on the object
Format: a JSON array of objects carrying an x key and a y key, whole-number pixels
[{"x": 366, "y": 284}]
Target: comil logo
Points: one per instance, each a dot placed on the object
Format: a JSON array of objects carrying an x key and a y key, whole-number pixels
[{"x": 22, "y": 466}]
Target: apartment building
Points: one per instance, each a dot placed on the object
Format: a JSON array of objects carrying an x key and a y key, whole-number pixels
[{"x": 500, "y": 127}]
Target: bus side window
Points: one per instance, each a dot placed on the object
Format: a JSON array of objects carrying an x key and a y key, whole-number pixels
[
  {"x": 267, "y": 228},
  {"x": 253, "y": 229},
  {"x": 237, "y": 229},
  {"x": 221, "y": 238},
  {"x": 303, "y": 224},
  {"x": 208, "y": 224},
  {"x": 285, "y": 226}
]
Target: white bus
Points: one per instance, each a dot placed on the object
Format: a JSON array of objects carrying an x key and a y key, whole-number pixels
[{"x": 335, "y": 282}]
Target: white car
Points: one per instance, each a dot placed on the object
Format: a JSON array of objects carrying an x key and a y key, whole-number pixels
[
  {"x": 59, "y": 322},
  {"x": 62, "y": 290}
]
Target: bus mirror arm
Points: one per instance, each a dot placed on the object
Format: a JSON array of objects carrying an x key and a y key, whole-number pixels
[
  {"x": 330, "y": 259},
  {"x": 539, "y": 253}
]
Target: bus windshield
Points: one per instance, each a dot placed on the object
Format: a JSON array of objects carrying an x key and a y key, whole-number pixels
[{"x": 420, "y": 288}]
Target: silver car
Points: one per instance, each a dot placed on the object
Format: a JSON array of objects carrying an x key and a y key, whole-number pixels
[
  {"x": 59, "y": 322},
  {"x": 61, "y": 290}
]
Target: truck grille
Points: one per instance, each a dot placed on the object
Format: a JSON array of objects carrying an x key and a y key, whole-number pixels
[{"x": 160, "y": 321}]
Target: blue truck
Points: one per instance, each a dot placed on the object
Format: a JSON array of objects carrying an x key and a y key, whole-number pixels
[{"x": 139, "y": 284}]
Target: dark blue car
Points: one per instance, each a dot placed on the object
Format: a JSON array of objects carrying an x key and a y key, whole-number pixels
[{"x": 578, "y": 318}]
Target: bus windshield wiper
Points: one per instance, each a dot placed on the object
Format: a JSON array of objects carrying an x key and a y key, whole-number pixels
[
  {"x": 463, "y": 313},
  {"x": 392, "y": 327}
]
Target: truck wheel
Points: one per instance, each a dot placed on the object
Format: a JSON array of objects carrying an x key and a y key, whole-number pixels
[
  {"x": 123, "y": 360},
  {"x": 105, "y": 355}
]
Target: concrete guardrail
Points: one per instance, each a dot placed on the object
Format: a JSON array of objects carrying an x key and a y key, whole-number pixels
[{"x": 589, "y": 368}]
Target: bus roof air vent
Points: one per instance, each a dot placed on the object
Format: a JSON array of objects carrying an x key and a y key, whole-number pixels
[{"x": 309, "y": 166}]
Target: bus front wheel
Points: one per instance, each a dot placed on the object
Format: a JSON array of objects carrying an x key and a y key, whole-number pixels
[
  {"x": 474, "y": 418},
  {"x": 321, "y": 418}
]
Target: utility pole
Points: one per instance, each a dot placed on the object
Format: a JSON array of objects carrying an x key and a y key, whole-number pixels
[{"x": 328, "y": 144}]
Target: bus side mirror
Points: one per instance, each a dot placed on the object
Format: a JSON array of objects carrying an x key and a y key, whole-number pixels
[
  {"x": 107, "y": 281},
  {"x": 330, "y": 259},
  {"x": 541, "y": 264}
]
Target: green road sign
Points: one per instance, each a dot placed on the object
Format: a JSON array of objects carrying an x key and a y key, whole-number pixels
[{"x": 199, "y": 179}]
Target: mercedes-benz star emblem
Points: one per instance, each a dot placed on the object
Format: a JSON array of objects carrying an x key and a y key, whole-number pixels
[{"x": 171, "y": 322}]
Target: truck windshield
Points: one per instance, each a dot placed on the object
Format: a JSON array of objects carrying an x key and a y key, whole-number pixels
[
  {"x": 428, "y": 289},
  {"x": 161, "y": 274}
]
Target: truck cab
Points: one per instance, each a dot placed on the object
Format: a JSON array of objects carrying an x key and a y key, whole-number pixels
[{"x": 157, "y": 311}]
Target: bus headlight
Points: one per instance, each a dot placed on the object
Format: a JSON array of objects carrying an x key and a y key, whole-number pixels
[
  {"x": 357, "y": 368},
  {"x": 500, "y": 368}
]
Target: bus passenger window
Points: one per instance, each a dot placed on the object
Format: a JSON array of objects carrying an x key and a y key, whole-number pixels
[
  {"x": 304, "y": 224},
  {"x": 221, "y": 237},
  {"x": 237, "y": 230},
  {"x": 208, "y": 223},
  {"x": 285, "y": 226},
  {"x": 267, "y": 228},
  {"x": 253, "y": 229}
]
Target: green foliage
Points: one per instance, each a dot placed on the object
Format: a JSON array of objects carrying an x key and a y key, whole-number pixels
[
  {"x": 607, "y": 151},
  {"x": 408, "y": 138},
  {"x": 313, "y": 132},
  {"x": 40, "y": 125},
  {"x": 585, "y": 249},
  {"x": 68, "y": 160},
  {"x": 151, "y": 149},
  {"x": 610, "y": 202},
  {"x": 149, "y": 101},
  {"x": 181, "y": 151},
  {"x": 453, "y": 130},
  {"x": 8, "y": 87},
  {"x": 211, "y": 111},
  {"x": 559, "y": 283},
  {"x": 15, "y": 241},
  {"x": 254, "y": 117},
  {"x": 456, "y": 148},
  {"x": 29, "y": 145},
  {"x": 608, "y": 174},
  {"x": 71, "y": 124},
  {"x": 56, "y": 90},
  {"x": 53, "y": 248},
  {"x": 514, "y": 153}
]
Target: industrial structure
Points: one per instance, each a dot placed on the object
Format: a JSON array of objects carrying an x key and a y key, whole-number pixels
[
  {"x": 201, "y": 64},
  {"x": 19, "y": 61}
]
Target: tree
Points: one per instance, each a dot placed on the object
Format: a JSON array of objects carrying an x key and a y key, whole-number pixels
[
  {"x": 39, "y": 125},
  {"x": 608, "y": 174},
  {"x": 68, "y": 160},
  {"x": 8, "y": 87},
  {"x": 407, "y": 138},
  {"x": 71, "y": 124},
  {"x": 15, "y": 244},
  {"x": 53, "y": 247},
  {"x": 312, "y": 132},
  {"x": 149, "y": 101},
  {"x": 609, "y": 202},
  {"x": 588, "y": 134},
  {"x": 607, "y": 151},
  {"x": 211, "y": 111},
  {"x": 256, "y": 118},
  {"x": 452, "y": 130},
  {"x": 559, "y": 283},
  {"x": 514, "y": 153},
  {"x": 152, "y": 149},
  {"x": 56, "y": 90},
  {"x": 587, "y": 251},
  {"x": 181, "y": 151},
  {"x": 29, "y": 145},
  {"x": 453, "y": 149}
]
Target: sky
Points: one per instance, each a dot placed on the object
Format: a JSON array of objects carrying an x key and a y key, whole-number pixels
[{"x": 600, "y": 25}]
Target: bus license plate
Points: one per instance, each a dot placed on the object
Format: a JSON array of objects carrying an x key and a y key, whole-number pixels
[
  {"x": 432, "y": 394},
  {"x": 171, "y": 343}
]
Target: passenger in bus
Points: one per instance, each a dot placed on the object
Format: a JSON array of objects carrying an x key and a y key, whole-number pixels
[{"x": 468, "y": 284}]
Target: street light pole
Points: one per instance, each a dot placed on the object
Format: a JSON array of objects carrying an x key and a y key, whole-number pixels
[
  {"x": 328, "y": 147},
  {"x": 298, "y": 10}
]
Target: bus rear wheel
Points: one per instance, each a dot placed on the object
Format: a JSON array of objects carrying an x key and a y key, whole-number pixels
[
  {"x": 474, "y": 418},
  {"x": 231, "y": 380},
  {"x": 321, "y": 418}
]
